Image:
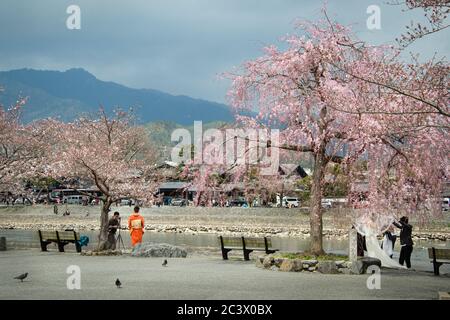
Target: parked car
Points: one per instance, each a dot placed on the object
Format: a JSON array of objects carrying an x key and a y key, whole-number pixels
[
  {"x": 73, "y": 199},
  {"x": 288, "y": 202},
  {"x": 127, "y": 202},
  {"x": 326, "y": 203},
  {"x": 22, "y": 200},
  {"x": 179, "y": 202},
  {"x": 238, "y": 203},
  {"x": 291, "y": 202}
]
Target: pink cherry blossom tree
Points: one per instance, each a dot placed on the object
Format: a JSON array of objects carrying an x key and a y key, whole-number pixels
[
  {"x": 12, "y": 146},
  {"x": 436, "y": 13},
  {"x": 304, "y": 90},
  {"x": 22, "y": 148},
  {"x": 113, "y": 153}
]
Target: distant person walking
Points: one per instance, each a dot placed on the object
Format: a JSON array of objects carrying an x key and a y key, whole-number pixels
[
  {"x": 136, "y": 227},
  {"x": 405, "y": 241}
]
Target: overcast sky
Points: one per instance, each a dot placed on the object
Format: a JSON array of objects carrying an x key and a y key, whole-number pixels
[{"x": 177, "y": 46}]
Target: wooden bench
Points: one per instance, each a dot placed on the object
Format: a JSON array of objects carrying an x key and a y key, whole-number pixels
[
  {"x": 247, "y": 245},
  {"x": 443, "y": 255},
  {"x": 61, "y": 238}
]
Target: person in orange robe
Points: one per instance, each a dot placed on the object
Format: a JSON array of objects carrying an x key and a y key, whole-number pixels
[{"x": 136, "y": 227}]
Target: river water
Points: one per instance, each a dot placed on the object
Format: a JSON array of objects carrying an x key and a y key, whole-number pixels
[{"x": 17, "y": 238}]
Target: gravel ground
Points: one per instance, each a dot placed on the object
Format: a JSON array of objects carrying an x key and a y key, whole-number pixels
[{"x": 196, "y": 277}]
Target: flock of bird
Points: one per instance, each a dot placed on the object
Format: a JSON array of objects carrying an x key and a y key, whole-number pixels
[{"x": 118, "y": 283}]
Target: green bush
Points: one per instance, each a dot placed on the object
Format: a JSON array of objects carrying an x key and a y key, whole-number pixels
[{"x": 308, "y": 256}]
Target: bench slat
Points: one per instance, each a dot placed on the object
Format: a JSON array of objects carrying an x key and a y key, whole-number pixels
[
  {"x": 440, "y": 253},
  {"x": 229, "y": 241},
  {"x": 254, "y": 243},
  {"x": 66, "y": 235},
  {"x": 49, "y": 235}
]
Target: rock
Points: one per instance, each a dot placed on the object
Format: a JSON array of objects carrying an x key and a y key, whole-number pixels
[
  {"x": 278, "y": 261},
  {"x": 305, "y": 266},
  {"x": 274, "y": 268},
  {"x": 327, "y": 267},
  {"x": 311, "y": 269},
  {"x": 310, "y": 262},
  {"x": 361, "y": 265},
  {"x": 268, "y": 261},
  {"x": 259, "y": 261},
  {"x": 344, "y": 271},
  {"x": 158, "y": 250},
  {"x": 340, "y": 263},
  {"x": 291, "y": 265}
]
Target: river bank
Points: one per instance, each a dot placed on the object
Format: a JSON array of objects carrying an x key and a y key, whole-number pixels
[{"x": 278, "y": 222}]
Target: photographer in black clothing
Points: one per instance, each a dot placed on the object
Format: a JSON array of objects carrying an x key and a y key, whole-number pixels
[
  {"x": 113, "y": 225},
  {"x": 405, "y": 241}
]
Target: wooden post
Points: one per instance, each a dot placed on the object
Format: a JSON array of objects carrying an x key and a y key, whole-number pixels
[
  {"x": 224, "y": 252},
  {"x": 2, "y": 243},
  {"x": 352, "y": 245}
]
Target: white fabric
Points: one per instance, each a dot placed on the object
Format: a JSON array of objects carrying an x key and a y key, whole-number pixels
[
  {"x": 374, "y": 250},
  {"x": 387, "y": 245}
]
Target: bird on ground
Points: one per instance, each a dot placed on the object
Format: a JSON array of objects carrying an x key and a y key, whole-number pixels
[
  {"x": 118, "y": 283},
  {"x": 164, "y": 264},
  {"x": 22, "y": 276}
]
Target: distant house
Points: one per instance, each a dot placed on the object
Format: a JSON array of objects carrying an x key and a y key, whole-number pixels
[
  {"x": 168, "y": 165},
  {"x": 169, "y": 170},
  {"x": 289, "y": 170},
  {"x": 176, "y": 189}
]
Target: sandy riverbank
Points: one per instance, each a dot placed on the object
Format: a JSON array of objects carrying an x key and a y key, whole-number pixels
[{"x": 251, "y": 221}]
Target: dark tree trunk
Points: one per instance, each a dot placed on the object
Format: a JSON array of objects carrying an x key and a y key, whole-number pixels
[
  {"x": 104, "y": 218},
  {"x": 315, "y": 220}
]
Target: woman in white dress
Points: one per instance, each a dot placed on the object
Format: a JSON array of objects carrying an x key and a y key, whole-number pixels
[
  {"x": 388, "y": 242},
  {"x": 370, "y": 228}
]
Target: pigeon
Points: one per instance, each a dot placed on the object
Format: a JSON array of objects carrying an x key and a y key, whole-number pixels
[
  {"x": 22, "y": 276},
  {"x": 164, "y": 264},
  {"x": 118, "y": 283}
]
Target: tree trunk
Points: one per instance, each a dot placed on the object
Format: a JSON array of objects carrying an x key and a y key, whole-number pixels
[
  {"x": 315, "y": 219},
  {"x": 104, "y": 218}
]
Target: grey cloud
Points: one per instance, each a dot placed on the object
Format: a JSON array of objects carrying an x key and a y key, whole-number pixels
[{"x": 177, "y": 46}]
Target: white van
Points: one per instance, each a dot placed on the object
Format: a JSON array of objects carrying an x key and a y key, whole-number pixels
[
  {"x": 73, "y": 199},
  {"x": 326, "y": 203},
  {"x": 291, "y": 202},
  {"x": 126, "y": 202}
]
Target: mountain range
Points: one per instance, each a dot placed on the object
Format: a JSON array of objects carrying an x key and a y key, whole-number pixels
[{"x": 67, "y": 94}]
